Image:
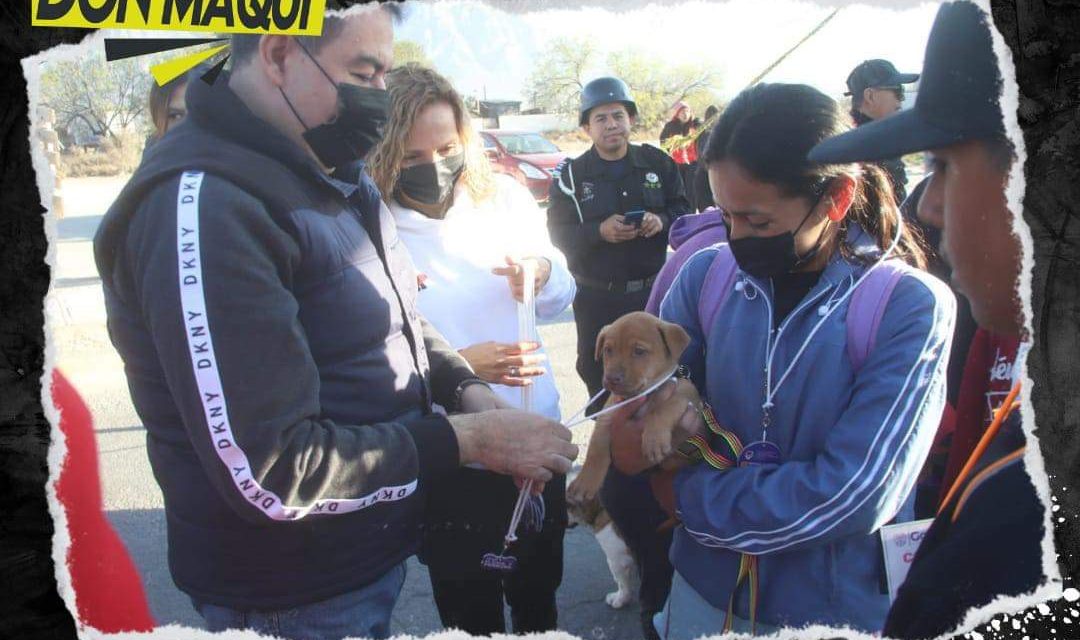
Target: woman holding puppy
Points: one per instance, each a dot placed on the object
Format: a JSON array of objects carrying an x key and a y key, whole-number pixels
[
  {"x": 469, "y": 232},
  {"x": 833, "y": 394}
]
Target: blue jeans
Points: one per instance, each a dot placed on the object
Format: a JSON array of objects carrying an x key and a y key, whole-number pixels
[
  {"x": 687, "y": 615},
  {"x": 364, "y": 613}
]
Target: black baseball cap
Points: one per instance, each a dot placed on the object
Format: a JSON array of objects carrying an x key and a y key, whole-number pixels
[
  {"x": 871, "y": 74},
  {"x": 958, "y": 100}
]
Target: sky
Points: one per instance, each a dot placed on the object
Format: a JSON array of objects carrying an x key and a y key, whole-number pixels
[{"x": 483, "y": 46}]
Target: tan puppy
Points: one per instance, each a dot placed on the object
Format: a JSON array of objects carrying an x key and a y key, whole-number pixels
[{"x": 637, "y": 350}]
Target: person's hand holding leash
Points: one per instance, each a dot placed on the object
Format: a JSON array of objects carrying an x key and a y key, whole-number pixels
[
  {"x": 512, "y": 442},
  {"x": 537, "y": 487},
  {"x": 512, "y": 364}
]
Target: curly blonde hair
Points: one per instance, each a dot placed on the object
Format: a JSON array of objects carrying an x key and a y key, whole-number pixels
[{"x": 412, "y": 89}]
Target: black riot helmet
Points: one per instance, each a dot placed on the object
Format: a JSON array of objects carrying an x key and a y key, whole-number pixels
[{"x": 602, "y": 91}]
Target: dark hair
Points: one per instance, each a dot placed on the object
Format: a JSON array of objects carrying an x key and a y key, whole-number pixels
[
  {"x": 245, "y": 44},
  {"x": 769, "y": 129},
  {"x": 857, "y": 100},
  {"x": 160, "y": 95},
  {"x": 711, "y": 111}
]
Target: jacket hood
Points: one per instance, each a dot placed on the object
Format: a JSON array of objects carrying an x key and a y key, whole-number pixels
[{"x": 221, "y": 136}]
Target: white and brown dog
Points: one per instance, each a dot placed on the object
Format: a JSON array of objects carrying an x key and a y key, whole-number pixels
[
  {"x": 637, "y": 350},
  {"x": 590, "y": 513}
]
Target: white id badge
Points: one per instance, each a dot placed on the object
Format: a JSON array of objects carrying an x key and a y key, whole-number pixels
[{"x": 899, "y": 542}]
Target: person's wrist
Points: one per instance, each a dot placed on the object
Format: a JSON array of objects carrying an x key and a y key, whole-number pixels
[
  {"x": 476, "y": 396},
  {"x": 463, "y": 388},
  {"x": 465, "y": 428}
]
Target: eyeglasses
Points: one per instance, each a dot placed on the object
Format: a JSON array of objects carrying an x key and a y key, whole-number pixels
[{"x": 897, "y": 91}]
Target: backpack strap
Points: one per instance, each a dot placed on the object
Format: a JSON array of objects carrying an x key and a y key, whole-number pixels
[
  {"x": 716, "y": 287},
  {"x": 867, "y": 307},
  {"x": 865, "y": 311}
]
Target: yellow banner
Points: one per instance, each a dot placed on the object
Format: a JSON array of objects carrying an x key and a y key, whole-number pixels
[{"x": 292, "y": 17}]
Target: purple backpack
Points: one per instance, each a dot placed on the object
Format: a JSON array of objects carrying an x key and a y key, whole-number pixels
[{"x": 865, "y": 310}]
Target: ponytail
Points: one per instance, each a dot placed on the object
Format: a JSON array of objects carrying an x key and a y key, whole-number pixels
[
  {"x": 874, "y": 209},
  {"x": 769, "y": 129}
]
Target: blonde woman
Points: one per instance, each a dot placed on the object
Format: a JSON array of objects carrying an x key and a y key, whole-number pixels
[{"x": 468, "y": 232}]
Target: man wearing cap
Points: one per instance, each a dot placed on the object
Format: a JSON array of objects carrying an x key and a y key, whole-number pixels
[
  {"x": 986, "y": 538},
  {"x": 877, "y": 91},
  {"x": 614, "y": 255}
]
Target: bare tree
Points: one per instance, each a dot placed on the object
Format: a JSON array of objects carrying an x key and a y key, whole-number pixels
[
  {"x": 555, "y": 84},
  {"x": 108, "y": 97},
  {"x": 657, "y": 87}
]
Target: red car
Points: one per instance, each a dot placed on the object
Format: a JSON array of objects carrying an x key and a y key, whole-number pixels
[{"x": 528, "y": 157}]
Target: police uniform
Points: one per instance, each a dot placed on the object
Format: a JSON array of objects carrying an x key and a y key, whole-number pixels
[{"x": 613, "y": 278}]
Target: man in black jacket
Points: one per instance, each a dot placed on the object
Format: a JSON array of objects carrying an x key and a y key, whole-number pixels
[
  {"x": 877, "y": 92},
  {"x": 986, "y": 540},
  {"x": 265, "y": 311},
  {"x": 615, "y": 260}
]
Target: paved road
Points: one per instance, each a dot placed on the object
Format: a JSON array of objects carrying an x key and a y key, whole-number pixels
[{"x": 80, "y": 346}]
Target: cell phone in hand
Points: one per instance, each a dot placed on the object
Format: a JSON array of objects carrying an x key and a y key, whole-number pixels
[{"x": 635, "y": 217}]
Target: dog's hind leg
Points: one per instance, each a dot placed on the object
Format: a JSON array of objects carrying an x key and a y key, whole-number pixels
[{"x": 621, "y": 563}]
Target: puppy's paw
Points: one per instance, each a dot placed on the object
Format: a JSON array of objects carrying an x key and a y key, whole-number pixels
[
  {"x": 619, "y": 599},
  {"x": 656, "y": 445},
  {"x": 584, "y": 488}
]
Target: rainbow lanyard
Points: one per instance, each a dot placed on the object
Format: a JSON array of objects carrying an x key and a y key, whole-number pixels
[{"x": 722, "y": 461}]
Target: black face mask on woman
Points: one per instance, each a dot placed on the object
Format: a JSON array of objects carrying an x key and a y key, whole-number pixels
[
  {"x": 773, "y": 256},
  {"x": 358, "y": 127},
  {"x": 431, "y": 182}
]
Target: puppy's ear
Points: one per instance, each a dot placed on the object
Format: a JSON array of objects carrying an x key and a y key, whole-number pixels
[
  {"x": 600, "y": 337},
  {"x": 674, "y": 338}
]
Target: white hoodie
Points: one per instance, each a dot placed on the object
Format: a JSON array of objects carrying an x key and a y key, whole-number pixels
[{"x": 465, "y": 301}]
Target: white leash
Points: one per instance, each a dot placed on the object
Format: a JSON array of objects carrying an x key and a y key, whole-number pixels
[
  {"x": 573, "y": 421},
  {"x": 527, "y": 333}
]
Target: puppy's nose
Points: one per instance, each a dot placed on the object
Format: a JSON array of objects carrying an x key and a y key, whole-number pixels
[{"x": 613, "y": 379}]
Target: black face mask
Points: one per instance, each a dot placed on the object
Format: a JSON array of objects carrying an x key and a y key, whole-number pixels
[
  {"x": 358, "y": 127},
  {"x": 432, "y": 182},
  {"x": 773, "y": 255}
]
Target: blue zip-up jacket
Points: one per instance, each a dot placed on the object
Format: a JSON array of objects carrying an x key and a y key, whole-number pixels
[{"x": 852, "y": 442}]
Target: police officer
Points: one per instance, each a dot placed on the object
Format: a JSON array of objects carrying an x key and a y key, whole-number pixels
[
  {"x": 877, "y": 92},
  {"x": 614, "y": 252},
  {"x": 614, "y": 257}
]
